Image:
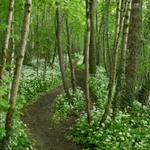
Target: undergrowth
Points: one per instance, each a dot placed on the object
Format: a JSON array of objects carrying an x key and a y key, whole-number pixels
[
  {"x": 65, "y": 107},
  {"x": 125, "y": 132},
  {"x": 30, "y": 87}
]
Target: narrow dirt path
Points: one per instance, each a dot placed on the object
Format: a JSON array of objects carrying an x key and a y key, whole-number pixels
[{"x": 48, "y": 135}]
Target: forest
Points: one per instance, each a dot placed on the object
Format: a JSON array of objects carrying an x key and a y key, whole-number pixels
[{"x": 74, "y": 74}]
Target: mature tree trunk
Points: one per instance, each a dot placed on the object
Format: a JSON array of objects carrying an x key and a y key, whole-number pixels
[
  {"x": 87, "y": 47},
  {"x": 59, "y": 47},
  {"x": 69, "y": 47},
  {"x": 6, "y": 37},
  {"x": 92, "y": 50},
  {"x": 134, "y": 49},
  {"x": 17, "y": 74}
]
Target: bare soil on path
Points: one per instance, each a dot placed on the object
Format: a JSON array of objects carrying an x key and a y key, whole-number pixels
[{"x": 47, "y": 134}]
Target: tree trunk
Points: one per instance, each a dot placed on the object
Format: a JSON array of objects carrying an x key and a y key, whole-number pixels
[
  {"x": 112, "y": 82},
  {"x": 45, "y": 67},
  {"x": 11, "y": 61},
  {"x": 17, "y": 74},
  {"x": 87, "y": 47},
  {"x": 59, "y": 47},
  {"x": 7, "y": 37},
  {"x": 54, "y": 55},
  {"x": 134, "y": 49},
  {"x": 69, "y": 47},
  {"x": 121, "y": 67},
  {"x": 92, "y": 50}
]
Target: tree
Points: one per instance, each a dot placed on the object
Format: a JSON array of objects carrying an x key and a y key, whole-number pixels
[
  {"x": 87, "y": 47},
  {"x": 134, "y": 50},
  {"x": 7, "y": 36},
  {"x": 122, "y": 59},
  {"x": 17, "y": 74},
  {"x": 69, "y": 50},
  {"x": 112, "y": 80},
  {"x": 92, "y": 49},
  {"x": 59, "y": 47}
]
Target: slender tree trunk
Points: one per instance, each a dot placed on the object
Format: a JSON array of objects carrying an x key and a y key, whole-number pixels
[
  {"x": 108, "y": 53},
  {"x": 6, "y": 37},
  {"x": 104, "y": 47},
  {"x": 92, "y": 50},
  {"x": 54, "y": 55},
  {"x": 37, "y": 43},
  {"x": 99, "y": 41},
  {"x": 17, "y": 74},
  {"x": 59, "y": 47},
  {"x": 11, "y": 61},
  {"x": 45, "y": 66},
  {"x": 69, "y": 47},
  {"x": 121, "y": 76},
  {"x": 112, "y": 82},
  {"x": 125, "y": 38},
  {"x": 87, "y": 47}
]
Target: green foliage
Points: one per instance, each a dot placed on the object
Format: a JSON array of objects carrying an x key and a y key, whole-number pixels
[
  {"x": 20, "y": 138},
  {"x": 30, "y": 87},
  {"x": 127, "y": 131},
  {"x": 98, "y": 86},
  {"x": 65, "y": 106}
]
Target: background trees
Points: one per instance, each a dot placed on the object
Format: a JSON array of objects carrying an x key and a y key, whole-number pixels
[{"x": 113, "y": 35}]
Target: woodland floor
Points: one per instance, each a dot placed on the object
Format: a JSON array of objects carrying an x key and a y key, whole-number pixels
[{"x": 47, "y": 134}]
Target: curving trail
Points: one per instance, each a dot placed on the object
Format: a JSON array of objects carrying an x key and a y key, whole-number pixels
[{"x": 48, "y": 135}]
